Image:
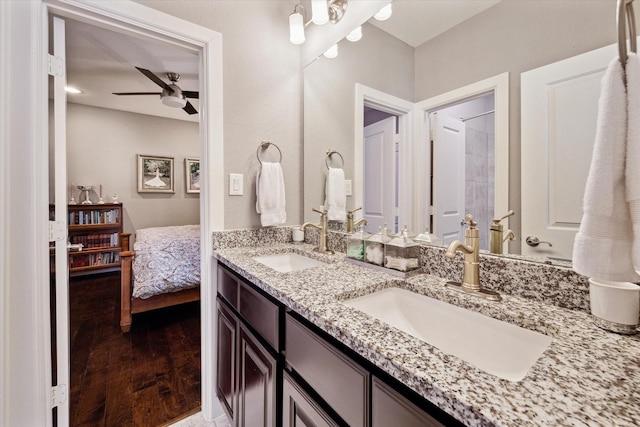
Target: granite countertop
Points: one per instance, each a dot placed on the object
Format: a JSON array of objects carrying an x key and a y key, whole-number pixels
[{"x": 587, "y": 376}]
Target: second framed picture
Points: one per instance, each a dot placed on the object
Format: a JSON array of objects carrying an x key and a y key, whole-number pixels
[
  {"x": 192, "y": 175},
  {"x": 155, "y": 174}
]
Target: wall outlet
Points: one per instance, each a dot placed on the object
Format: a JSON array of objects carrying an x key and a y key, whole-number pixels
[
  {"x": 347, "y": 187},
  {"x": 235, "y": 184}
]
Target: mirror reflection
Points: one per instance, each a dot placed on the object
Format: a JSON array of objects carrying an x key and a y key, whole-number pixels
[{"x": 506, "y": 37}]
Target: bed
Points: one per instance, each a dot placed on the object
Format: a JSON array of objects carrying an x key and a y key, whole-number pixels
[{"x": 163, "y": 270}]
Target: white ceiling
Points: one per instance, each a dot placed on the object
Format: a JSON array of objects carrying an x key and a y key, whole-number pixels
[
  {"x": 417, "y": 21},
  {"x": 101, "y": 61}
]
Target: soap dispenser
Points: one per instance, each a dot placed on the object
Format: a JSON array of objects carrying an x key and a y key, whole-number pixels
[{"x": 497, "y": 236}]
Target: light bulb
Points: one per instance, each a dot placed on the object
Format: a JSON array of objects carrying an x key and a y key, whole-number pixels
[
  {"x": 384, "y": 13},
  {"x": 296, "y": 28},
  {"x": 332, "y": 52},
  {"x": 355, "y": 35},
  {"x": 319, "y": 12}
]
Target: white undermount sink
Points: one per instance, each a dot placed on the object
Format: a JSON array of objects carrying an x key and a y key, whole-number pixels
[
  {"x": 288, "y": 261},
  {"x": 499, "y": 348}
]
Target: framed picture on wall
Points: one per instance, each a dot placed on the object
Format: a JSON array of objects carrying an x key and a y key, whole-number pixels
[
  {"x": 155, "y": 174},
  {"x": 192, "y": 175}
]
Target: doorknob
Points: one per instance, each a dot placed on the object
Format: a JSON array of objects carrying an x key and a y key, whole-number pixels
[{"x": 534, "y": 241}]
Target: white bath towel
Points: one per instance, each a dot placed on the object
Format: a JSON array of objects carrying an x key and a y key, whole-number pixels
[
  {"x": 335, "y": 199},
  {"x": 632, "y": 165},
  {"x": 603, "y": 245},
  {"x": 270, "y": 199}
]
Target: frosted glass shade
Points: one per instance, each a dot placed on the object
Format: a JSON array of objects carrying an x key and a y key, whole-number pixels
[
  {"x": 319, "y": 12},
  {"x": 296, "y": 28},
  {"x": 332, "y": 52},
  {"x": 355, "y": 35},
  {"x": 384, "y": 14}
]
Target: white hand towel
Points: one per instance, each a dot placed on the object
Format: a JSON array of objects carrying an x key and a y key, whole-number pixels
[
  {"x": 270, "y": 199},
  {"x": 335, "y": 198},
  {"x": 603, "y": 245},
  {"x": 632, "y": 165}
]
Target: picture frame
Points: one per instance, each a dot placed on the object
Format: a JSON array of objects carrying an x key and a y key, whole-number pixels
[
  {"x": 192, "y": 175},
  {"x": 155, "y": 174}
]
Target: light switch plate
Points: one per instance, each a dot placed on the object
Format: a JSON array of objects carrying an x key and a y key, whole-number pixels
[
  {"x": 347, "y": 187},
  {"x": 235, "y": 184}
]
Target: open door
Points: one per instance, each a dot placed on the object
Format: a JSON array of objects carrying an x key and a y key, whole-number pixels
[
  {"x": 380, "y": 175},
  {"x": 448, "y": 140},
  {"x": 58, "y": 235}
]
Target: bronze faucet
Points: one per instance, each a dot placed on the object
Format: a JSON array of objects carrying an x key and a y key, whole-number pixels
[
  {"x": 471, "y": 270},
  {"x": 497, "y": 236},
  {"x": 351, "y": 225},
  {"x": 322, "y": 228}
]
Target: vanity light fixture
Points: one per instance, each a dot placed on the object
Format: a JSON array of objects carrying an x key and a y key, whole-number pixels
[
  {"x": 323, "y": 11},
  {"x": 296, "y": 25},
  {"x": 332, "y": 52},
  {"x": 72, "y": 90},
  {"x": 355, "y": 35},
  {"x": 384, "y": 13}
]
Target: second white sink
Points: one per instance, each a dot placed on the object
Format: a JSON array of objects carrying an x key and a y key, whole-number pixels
[
  {"x": 288, "y": 261},
  {"x": 499, "y": 348}
]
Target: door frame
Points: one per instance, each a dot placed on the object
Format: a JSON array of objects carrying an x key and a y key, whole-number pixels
[
  {"x": 499, "y": 85},
  {"x": 30, "y": 358},
  {"x": 405, "y": 111}
]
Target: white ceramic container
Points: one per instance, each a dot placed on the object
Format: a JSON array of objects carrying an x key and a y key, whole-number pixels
[{"x": 615, "y": 304}]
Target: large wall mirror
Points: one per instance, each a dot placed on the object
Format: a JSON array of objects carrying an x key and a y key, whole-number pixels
[{"x": 504, "y": 38}]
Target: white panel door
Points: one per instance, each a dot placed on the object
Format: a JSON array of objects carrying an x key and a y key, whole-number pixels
[
  {"x": 379, "y": 204},
  {"x": 61, "y": 380},
  {"x": 448, "y": 177},
  {"x": 559, "y": 114}
]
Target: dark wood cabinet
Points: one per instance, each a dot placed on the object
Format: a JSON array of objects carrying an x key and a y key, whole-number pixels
[
  {"x": 226, "y": 369},
  {"x": 299, "y": 409},
  {"x": 391, "y": 408}
]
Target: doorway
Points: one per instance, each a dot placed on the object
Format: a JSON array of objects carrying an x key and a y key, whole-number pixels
[
  {"x": 138, "y": 19},
  {"x": 463, "y": 167}
]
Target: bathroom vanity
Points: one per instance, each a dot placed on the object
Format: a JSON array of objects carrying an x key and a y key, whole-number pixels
[{"x": 292, "y": 352}]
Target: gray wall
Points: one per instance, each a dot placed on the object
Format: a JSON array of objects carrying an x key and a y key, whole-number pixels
[
  {"x": 329, "y": 107},
  {"x": 262, "y": 94},
  {"x": 102, "y": 148},
  {"x": 513, "y": 36}
]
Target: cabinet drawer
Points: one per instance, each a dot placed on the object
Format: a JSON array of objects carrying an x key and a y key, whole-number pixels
[
  {"x": 228, "y": 286},
  {"x": 299, "y": 409},
  {"x": 261, "y": 314},
  {"x": 342, "y": 383},
  {"x": 391, "y": 408}
]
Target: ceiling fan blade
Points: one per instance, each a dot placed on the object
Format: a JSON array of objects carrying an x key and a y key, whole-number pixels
[
  {"x": 191, "y": 94},
  {"x": 190, "y": 109},
  {"x": 137, "y": 93},
  {"x": 155, "y": 79}
]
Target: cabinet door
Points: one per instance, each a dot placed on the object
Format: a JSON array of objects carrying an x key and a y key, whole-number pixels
[
  {"x": 390, "y": 408},
  {"x": 298, "y": 409},
  {"x": 257, "y": 383},
  {"x": 226, "y": 379}
]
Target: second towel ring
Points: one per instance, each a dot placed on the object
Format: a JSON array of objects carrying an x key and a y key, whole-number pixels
[
  {"x": 330, "y": 153},
  {"x": 264, "y": 145}
]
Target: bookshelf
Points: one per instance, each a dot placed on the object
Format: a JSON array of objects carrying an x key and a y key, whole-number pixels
[{"x": 98, "y": 228}]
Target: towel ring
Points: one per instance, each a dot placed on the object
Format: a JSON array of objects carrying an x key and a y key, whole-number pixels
[
  {"x": 264, "y": 145},
  {"x": 625, "y": 10},
  {"x": 330, "y": 153}
]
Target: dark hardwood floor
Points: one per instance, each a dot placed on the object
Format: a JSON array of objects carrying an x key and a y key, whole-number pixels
[{"x": 147, "y": 377}]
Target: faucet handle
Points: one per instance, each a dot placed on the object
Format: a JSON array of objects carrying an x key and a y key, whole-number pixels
[
  {"x": 507, "y": 215},
  {"x": 468, "y": 218},
  {"x": 355, "y": 210}
]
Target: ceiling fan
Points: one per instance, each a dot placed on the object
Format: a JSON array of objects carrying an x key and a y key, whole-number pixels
[{"x": 171, "y": 94}]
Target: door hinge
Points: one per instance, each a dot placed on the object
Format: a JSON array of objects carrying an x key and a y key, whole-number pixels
[
  {"x": 57, "y": 231},
  {"x": 58, "y": 395},
  {"x": 55, "y": 66},
  {"x": 432, "y": 210}
]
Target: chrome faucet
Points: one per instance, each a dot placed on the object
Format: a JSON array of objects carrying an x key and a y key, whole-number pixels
[
  {"x": 497, "y": 236},
  {"x": 351, "y": 225},
  {"x": 322, "y": 228},
  {"x": 471, "y": 270}
]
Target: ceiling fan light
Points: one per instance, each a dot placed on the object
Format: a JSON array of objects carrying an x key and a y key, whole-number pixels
[
  {"x": 72, "y": 90},
  {"x": 355, "y": 35},
  {"x": 384, "y": 13},
  {"x": 174, "y": 101}
]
